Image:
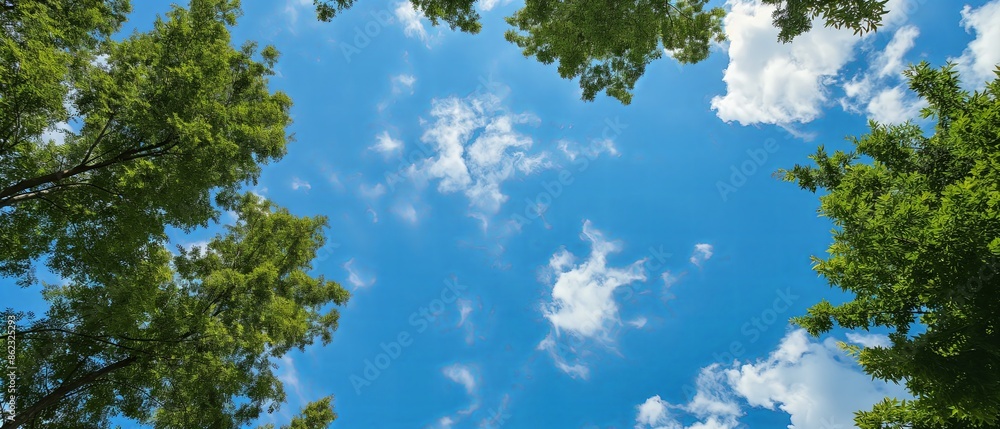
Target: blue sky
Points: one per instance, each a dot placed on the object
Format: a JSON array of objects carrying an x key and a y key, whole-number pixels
[{"x": 520, "y": 258}]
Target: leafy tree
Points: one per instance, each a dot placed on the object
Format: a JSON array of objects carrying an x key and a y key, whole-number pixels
[
  {"x": 168, "y": 120},
  {"x": 607, "y": 44},
  {"x": 917, "y": 244},
  {"x": 182, "y": 341}
]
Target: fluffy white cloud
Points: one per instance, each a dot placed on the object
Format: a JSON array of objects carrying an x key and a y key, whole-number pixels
[
  {"x": 476, "y": 149},
  {"x": 702, "y": 252},
  {"x": 782, "y": 83},
  {"x": 982, "y": 56},
  {"x": 653, "y": 412},
  {"x": 411, "y": 20},
  {"x": 582, "y": 296},
  {"x": 461, "y": 374},
  {"x": 488, "y": 5},
  {"x": 814, "y": 382},
  {"x": 890, "y": 61},
  {"x": 880, "y": 91},
  {"x": 386, "y": 144},
  {"x": 894, "y": 106},
  {"x": 583, "y": 305}
]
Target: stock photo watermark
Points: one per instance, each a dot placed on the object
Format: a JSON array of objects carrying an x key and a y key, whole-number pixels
[
  {"x": 9, "y": 404},
  {"x": 756, "y": 158},
  {"x": 363, "y": 34},
  {"x": 535, "y": 207},
  {"x": 420, "y": 320},
  {"x": 751, "y": 331}
]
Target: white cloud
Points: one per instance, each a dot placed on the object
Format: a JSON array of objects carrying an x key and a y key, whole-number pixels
[
  {"x": 464, "y": 309},
  {"x": 982, "y": 56},
  {"x": 890, "y": 61},
  {"x": 372, "y": 192},
  {"x": 582, "y": 296},
  {"x": 386, "y": 144},
  {"x": 814, "y": 383},
  {"x": 461, "y": 374},
  {"x": 638, "y": 322},
  {"x": 669, "y": 280},
  {"x": 653, "y": 412},
  {"x": 411, "y": 20},
  {"x": 289, "y": 377},
  {"x": 294, "y": 7},
  {"x": 57, "y": 133},
  {"x": 783, "y": 83},
  {"x": 488, "y": 5},
  {"x": 406, "y": 212},
  {"x": 399, "y": 82},
  {"x": 572, "y": 150},
  {"x": 583, "y": 305},
  {"x": 476, "y": 165},
  {"x": 300, "y": 184},
  {"x": 702, "y": 252},
  {"x": 356, "y": 277},
  {"x": 879, "y": 91},
  {"x": 869, "y": 340},
  {"x": 894, "y": 106}
]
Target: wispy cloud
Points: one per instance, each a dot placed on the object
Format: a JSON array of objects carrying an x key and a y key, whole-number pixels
[
  {"x": 356, "y": 277},
  {"x": 702, "y": 252}
]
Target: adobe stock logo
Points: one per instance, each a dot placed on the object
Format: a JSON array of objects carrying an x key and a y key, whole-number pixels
[
  {"x": 738, "y": 178},
  {"x": 363, "y": 37},
  {"x": 420, "y": 320}
]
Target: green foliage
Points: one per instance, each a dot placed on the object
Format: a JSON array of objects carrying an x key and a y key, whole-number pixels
[
  {"x": 917, "y": 243},
  {"x": 607, "y": 44},
  {"x": 794, "y": 17},
  {"x": 589, "y": 40},
  {"x": 183, "y": 341},
  {"x": 167, "y": 120},
  {"x": 316, "y": 415}
]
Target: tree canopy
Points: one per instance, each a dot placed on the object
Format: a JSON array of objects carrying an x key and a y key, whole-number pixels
[
  {"x": 165, "y": 122},
  {"x": 917, "y": 244},
  {"x": 183, "y": 341},
  {"x": 607, "y": 44}
]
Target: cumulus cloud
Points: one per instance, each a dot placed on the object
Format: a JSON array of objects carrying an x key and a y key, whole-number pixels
[
  {"x": 653, "y": 412},
  {"x": 702, "y": 252},
  {"x": 782, "y": 83},
  {"x": 894, "y": 106},
  {"x": 385, "y": 144},
  {"x": 476, "y": 148},
  {"x": 814, "y": 383},
  {"x": 982, "y": 56},
  {"x": 890, "y": 61},
  {"x": 880, "y": 92},
  {"x": 582, "y": 296},
  {"x": 583, "y": 304}
]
